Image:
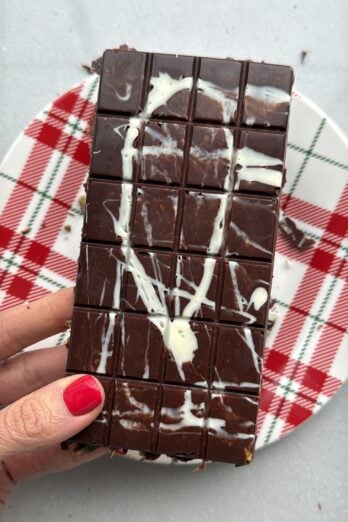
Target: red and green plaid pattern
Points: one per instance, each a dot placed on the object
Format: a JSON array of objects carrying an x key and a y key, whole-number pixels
[{"x": 307, "y": 357}]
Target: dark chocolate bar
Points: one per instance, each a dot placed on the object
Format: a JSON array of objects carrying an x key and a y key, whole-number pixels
[{"x": 177, "y": 251}]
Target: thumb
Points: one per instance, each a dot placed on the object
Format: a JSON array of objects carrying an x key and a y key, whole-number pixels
[{"x": 50, "y": 415}]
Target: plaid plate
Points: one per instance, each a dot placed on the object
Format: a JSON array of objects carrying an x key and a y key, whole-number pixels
[{"x": 306, "y": 359}]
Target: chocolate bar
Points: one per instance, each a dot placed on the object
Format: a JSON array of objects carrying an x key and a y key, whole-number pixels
[{"x": 175, "y": 268}]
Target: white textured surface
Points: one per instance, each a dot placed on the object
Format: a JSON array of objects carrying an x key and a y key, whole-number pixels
[{"x": 42, "y": 45}]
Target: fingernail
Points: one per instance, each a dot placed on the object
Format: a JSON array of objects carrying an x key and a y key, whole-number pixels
[{"x": 82, "y": 396}]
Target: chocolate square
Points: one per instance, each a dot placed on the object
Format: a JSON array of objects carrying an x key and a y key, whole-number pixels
[
  {"x": 210, "y": 157},
  {"x": 204, "y": 215},
  {"x": 260, "y": 162},
  {"x": 267, "y": 95},
  {"x": 152, "y": 269},
  {"x": 156, "y": 211},
  {"x": 245, "y": 293},
  {"x": 121, "y": 81},
  {"x": 192, "y": 298},
  {"x": 196, "y": 371},
  {"x": 141, "y": 347},
  {"x": 97, "y": 432},
  {"x": 238, "y": 360},
  {"x": 133, "y": 415},
  {"x": 102, "y": 215},
  {"x": 109, "y": 142},
  {"x": 170, "y": 74},
  {"x": 218, "y": 90},
  {"x": 181, "y": 421},
  {"x": 231, "y": 427},
  {"x": 252, "y": 227},
  {"x": 105, "y": 287},
  {"x": 93, "y": 354},
  {"x": 162, "y": 152}
]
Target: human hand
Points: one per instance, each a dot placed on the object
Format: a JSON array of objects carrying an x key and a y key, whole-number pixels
[{"x": 39, "y": 411}]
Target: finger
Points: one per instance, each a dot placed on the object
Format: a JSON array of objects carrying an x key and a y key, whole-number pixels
[
  {"x": 26, "y": 324},
  {"x": 29, "y": 371},
  {"x": 32, "y": 465},
  {"x": 50, "y": 415},
  {"x": 48, "y": 460}
]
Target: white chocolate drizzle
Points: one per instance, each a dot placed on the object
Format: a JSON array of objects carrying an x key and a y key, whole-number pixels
[
  {"x": 249, "y": 342},
  {"x": 247, "y": 157},
  {"x": 163, "y": 87},
  {"x": 104, "y": 417},
  {"x": 198, "y": 298},
  {"x": 146, "y": 373},
  {"x": 247, "y": 239},
  {"x": 227, "y": 99},
  {"x": 121, "y": 223},
  {"x": 219, "y": 425},
  {"x": 265, "y": 100},
  {"x": 106, "y": 338},
  {"x": 183, "y": 415},
  {"x": 269, "y": 177},
  {"x": 137, "y": 411},
  {"x": 127, "y": 95},
  {"x": 257, "y": 299},
  {"x": 269, "y": 96},
  {"x": 129, "y": 152},
  {"x": 224, "y": 153},
  {"x": 118, "y": 280},
  {"x": 168, "y": 147}
]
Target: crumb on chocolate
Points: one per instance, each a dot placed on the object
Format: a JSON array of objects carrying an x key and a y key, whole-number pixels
[
  {"x": 304, "y": 54},
  {"x": 82, "y": 202},
  {"x": 25, "y": 230},
  {"x": 248, "y": 455},
  {"x": 67, "y": 228}
]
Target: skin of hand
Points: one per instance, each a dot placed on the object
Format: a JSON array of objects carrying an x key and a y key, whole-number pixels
[{"x": 39, "y": 408}]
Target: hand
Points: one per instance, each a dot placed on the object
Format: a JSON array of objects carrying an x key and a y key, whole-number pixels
[{"x": 40, "y": 411}]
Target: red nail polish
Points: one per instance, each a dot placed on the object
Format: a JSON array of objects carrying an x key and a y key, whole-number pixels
[{"x": 82, "y": 396}]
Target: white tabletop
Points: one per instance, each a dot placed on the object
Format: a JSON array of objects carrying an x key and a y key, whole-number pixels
[{"x": 42, "y": 44}]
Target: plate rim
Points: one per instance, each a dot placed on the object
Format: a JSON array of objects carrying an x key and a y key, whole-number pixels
[{"x": 314, "y": 107}]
